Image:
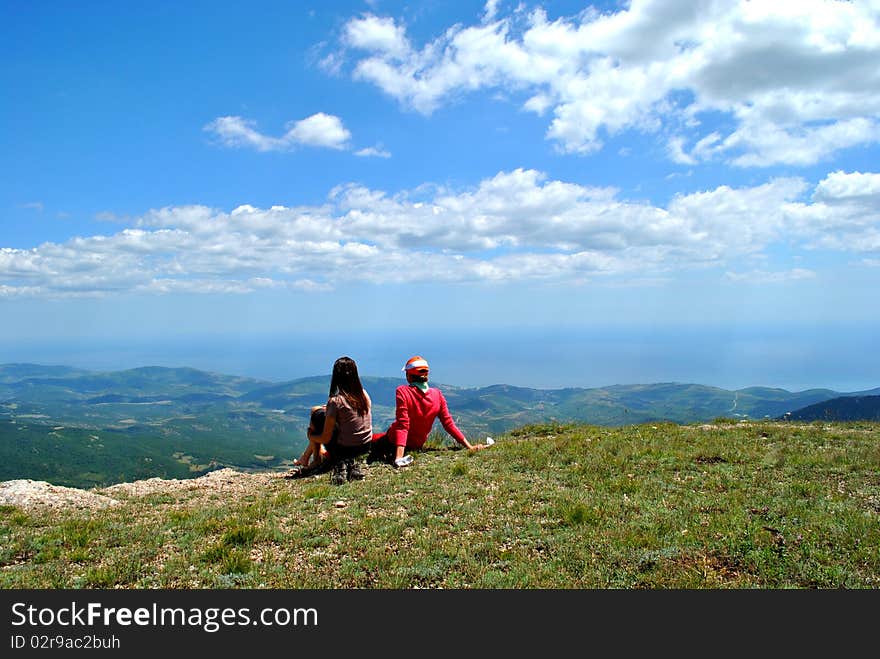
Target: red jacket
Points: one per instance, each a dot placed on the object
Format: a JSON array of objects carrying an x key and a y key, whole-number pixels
[{"x": 415, "y": 415}]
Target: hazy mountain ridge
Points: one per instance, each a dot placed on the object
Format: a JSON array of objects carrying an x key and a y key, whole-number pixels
[
  {"x": 77, "y": 427},
  {"x": 42, "y": 380}
]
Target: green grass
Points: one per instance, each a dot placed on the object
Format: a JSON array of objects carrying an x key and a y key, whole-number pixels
[{"x": 653, "y": 506}]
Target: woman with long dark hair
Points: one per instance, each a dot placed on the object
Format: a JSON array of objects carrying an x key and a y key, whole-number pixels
[{"x": 348, "y": 409}]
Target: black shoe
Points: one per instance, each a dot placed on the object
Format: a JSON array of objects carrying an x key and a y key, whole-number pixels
[
  {"x": 355, "y": 471},
  {"x": 340, "y": 473},
  {"x": 293, "y": 472}
]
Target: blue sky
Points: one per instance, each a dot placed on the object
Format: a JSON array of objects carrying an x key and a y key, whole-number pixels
[{"x": 668, "y": 190}]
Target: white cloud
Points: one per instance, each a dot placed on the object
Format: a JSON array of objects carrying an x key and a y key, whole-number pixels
[
  {"x": 675, "y": 148},
  {"x": 319, "y": 130},
  {"x": 845, "y": 213},
  {"x": 765, "y": 277},
  {"x": 331, "y": 64},
  {"x": 515, "y": 226},
  {"x": 33, "y": 205},
  {"x": 795, "y": 81},
  {"x": 740, "y": 220},
  {"x": 840, "y": 186},
  {"x": 490, "y": 11},
  {"x": 762, "y": 143},
  {"x": 10, "y": 292},
  {"x": 239, "y": 132},
  {"x": 380, "y": 34},
  {"x": 539, "y": 104},
  {"x": 373, "y": 152}
]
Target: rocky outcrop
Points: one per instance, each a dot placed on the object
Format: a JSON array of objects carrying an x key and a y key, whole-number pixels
[{"x": 29, "y": 494}]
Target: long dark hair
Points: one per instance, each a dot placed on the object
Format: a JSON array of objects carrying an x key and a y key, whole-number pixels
[{"x": 345, "y": 382}]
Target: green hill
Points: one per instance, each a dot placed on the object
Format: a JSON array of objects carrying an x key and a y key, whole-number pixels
[
  {"x": 844, "y": 408},
  {"x": 182, "y": 420},
  {"x": 748, "y": 505}
]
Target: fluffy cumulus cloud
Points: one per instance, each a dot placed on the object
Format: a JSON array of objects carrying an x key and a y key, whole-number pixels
[
  {"x": 843, "y": 187},
  {"x": 750, "y": 83},
  {"x": 318, "y": 130},
  {"x": 845, "y": 213},
  {"x": 515, "y": 226}
]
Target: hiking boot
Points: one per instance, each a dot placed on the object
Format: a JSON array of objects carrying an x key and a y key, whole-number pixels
[
  {"x": 355, "y": 471},
  {"x": 294, "y": 472},
  {"x": 340, "y": 473},
  {"x": 403, "y": 462}
]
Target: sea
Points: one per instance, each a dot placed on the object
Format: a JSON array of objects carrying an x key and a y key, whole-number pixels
[{"x": 841, "y": 358}]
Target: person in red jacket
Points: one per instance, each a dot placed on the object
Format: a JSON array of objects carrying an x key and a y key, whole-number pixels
[{"x": 417, "y": 407}]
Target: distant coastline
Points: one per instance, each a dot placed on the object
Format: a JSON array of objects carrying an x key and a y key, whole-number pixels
[{"x": 842, "y": 358}]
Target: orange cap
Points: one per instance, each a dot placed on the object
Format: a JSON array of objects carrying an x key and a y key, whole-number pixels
[{"x": 417, "y": 364}]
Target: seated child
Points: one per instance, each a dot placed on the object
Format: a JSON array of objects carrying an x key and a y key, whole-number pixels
[{"x": 315, "y": 452}]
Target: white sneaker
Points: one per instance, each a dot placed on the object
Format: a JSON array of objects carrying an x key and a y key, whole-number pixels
[{"x": 404, "y": 461}]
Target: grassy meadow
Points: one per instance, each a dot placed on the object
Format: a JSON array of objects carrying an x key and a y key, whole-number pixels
[{"x": 656, "y": 506}]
